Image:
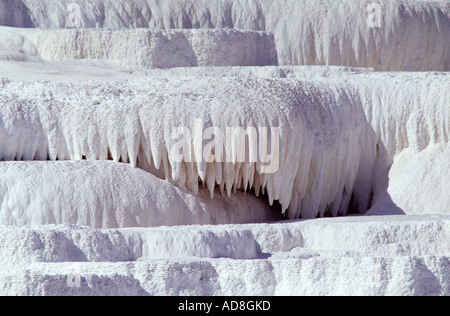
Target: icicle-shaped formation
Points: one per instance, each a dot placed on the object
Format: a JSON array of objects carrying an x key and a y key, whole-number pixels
[{"x": 331, "y": 131}]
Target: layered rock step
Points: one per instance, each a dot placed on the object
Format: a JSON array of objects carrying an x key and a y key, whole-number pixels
[
  {"x": 387, "y": 35},
  {"x": 402, "y": 255},
  {"x": 105, "y": 194},
  {"x": 147, "y": 48}
]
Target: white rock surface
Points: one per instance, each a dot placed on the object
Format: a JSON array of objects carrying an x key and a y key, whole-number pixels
[
  {"x": 105, "y": 194},
  {"x": 395, "y": 255},
  {"x": 412, "y": 35},
  {"x": 338, "y": 137},
  {"x": 352, "y": 139},
  {"x": 106, "y": 71},
  {"x": 416, "y": 175},
  {"x": 144, "y": 48},
  {"x": 134, "y": 121}
]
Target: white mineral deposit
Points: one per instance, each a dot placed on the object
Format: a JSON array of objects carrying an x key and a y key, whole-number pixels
[{"x": 225, "y": 147}]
